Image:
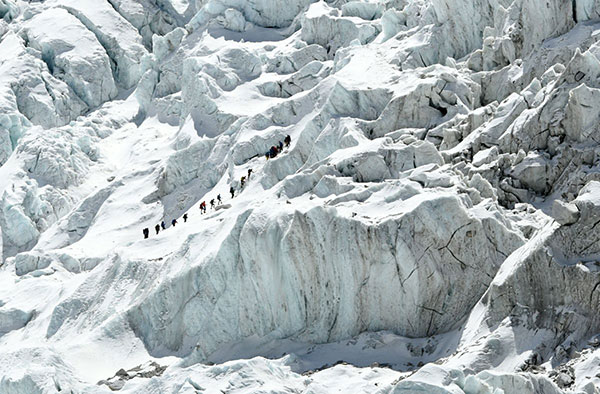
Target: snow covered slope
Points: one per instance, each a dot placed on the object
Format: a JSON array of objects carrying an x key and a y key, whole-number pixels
[{"x": 434, "y": 225}]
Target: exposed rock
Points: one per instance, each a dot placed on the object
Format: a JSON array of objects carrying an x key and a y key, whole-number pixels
[
  {"x": 565, "y": 213},
  {"x": 146, "y": 371}
]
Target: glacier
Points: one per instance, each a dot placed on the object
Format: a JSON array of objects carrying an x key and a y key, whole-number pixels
[{"x": 433, "y": 226}]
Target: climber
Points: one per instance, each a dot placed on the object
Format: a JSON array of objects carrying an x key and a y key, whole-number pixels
[
  {"x": 267, "y": 155},
  {"x": 163, "y": 225},
  {"x": 203, "y": 207},
  {"x": 273, "y": 152},
  {"x": 287, "y": 140},
  {"x": 157, "y": 228},
  {"x": 219, "y": 202},
  {"x": 185, "y": 216},
  {"x": 173, "y": 222},
  {"x": 232, "y": 191},
  {"x": 212, "y": 203},
  {"x": 146, "y": 232},
  {"x": 249, "y": 173},
  {"x": 242, "y": 181},
  {"x": 280, "y": 146}
]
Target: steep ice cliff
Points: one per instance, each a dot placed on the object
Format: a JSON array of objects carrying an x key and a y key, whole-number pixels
[{"x": 433, "y": 226}]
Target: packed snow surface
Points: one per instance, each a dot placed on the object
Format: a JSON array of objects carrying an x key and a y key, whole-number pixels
[{"x": 433, "y": 224}]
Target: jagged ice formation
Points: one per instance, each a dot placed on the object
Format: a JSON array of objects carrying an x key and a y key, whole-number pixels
[{"x": 434, "y": 225}]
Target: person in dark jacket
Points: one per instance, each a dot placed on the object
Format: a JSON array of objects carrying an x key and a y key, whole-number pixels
[
  {"x": 212, "y": 203},
  {"x": 243, "y": 181},
  {"x": 157, "y": 228},
  {"x": 249, "y": 173},
  {"x": 280, "y": 146},
  {"x": 219, "y": 202},
  {"x": 185, "y": 216},
  {"x": 146, "y": 232},
  {"x": 173, "y": 222},
  {"x": 232, "y": 191},
  {"x": 287, "y": 140},
  {"x": 163, "y": 225}
]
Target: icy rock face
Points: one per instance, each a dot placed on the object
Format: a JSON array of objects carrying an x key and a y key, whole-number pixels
[
  {"x": 436, "y": 211},
  {"x": 484, "y": 382},
  {"x": 121, "y": 40},
  {"x": 183, "y": 167},
  {"x": 147, "y": 17},
  {"x": 284, "y": 63},
  {"x": 41, "y": 364},
  {"x": 26, "y": 263},
  {"x": 40, "y": 97},
  {"x": 13, "y": 319},
  {"x": 50, "y": 76},
  {"x": 559, "y": 257},
  {"x": 565, "y": 213},
  {"x": 581, "y": 117},
  {"x": 56, "y": 159},
  {"x": 8, "y": 10},
  {"x": 73, "y": 54},
  {"x": 337, "y": 296},
  {"x": 324, "y": 25},
  {"x": 267, "y": 13},
  {"x": 586, "y": 9},
  {"x": 306, "y": 78},
  {"x": 28, "y": 210}
]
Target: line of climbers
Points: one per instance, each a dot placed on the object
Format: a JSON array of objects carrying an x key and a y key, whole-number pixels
[
  {"x": 276, "y": 149},
  {"x": 273, "y": 152},
  {"x": 163, "y": 226},
  {"x": 213, "y": 205}
]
